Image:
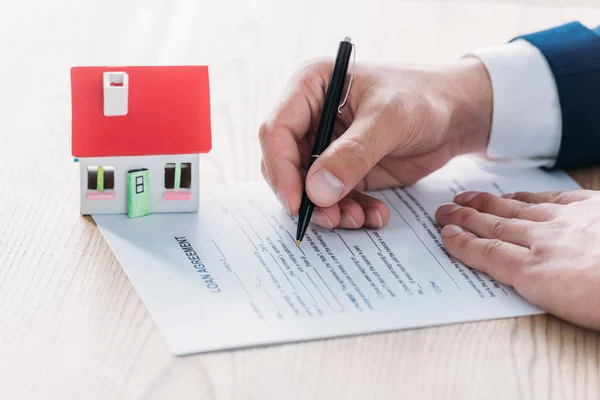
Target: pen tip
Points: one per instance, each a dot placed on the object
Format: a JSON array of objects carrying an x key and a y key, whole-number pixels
[{"x": 297, "y": 243}]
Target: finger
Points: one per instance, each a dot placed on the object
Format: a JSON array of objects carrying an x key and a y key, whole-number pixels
[
  {"x": 280, "y": 134},
  {"x": 561, "y": 197},
  {"x": 346, "y": 161},
  {"x": 353, "y": 211},
  {"x": 501, "y": 260},
  {"x": 506, "y": 208},
  {"x": 327, "y": 217},
  {"x": 352, "y": 215},
  {"x": 486, "y": 226},
  {"x": 377, "y": 213}
]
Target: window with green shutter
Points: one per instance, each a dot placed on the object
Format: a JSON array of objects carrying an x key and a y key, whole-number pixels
[
  {"x": 178, "y": 176},
  {"x": 101, "y": 178}
]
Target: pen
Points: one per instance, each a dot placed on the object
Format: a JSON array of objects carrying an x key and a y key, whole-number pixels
[{"x": 331, "y": 108}]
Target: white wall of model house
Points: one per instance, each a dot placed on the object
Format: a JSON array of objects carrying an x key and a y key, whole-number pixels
[{"x": 93, "y": 202}]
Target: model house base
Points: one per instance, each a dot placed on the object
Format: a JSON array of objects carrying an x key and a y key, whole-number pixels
[{"x": 126, "y": 185}]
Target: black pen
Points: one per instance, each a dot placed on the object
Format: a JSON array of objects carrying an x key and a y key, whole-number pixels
[{"x": 331, "y": 108}]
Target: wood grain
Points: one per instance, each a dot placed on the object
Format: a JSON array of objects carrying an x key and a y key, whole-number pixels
[{"x": 71, "y": 325}]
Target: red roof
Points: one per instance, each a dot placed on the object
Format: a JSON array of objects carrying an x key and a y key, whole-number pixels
[{"x": 168, "y": 112}]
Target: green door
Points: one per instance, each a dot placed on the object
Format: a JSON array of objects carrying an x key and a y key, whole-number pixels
[{"x": 138, "y": 193}]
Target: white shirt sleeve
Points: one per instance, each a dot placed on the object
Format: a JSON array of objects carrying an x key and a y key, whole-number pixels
[{"x": 526, "y": 117}]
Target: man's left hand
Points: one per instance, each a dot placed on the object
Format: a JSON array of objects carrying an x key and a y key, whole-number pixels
[{"x": 545, "y": 245}]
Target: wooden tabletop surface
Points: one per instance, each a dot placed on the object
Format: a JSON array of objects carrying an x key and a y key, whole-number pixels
[{"x": 71, "y": 325}]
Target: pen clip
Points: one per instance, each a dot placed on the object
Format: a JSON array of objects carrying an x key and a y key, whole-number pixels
[{"x": 349, "y": 83}]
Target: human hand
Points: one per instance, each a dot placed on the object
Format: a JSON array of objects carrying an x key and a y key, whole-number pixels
[
  {"x": 397, "y": 126},
  {"x": 545, "y": 245}
]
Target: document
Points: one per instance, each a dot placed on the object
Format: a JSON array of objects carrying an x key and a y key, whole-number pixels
[{"x": 231, "y": 275}]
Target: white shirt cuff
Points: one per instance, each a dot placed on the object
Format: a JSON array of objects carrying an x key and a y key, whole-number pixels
[{"x": 526, "y": 118}]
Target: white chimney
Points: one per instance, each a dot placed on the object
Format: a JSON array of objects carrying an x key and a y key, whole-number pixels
[{"x": 116, "y": 88}]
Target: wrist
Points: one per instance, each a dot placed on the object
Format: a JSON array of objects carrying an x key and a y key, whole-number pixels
[{"x": 470, "y": 97}]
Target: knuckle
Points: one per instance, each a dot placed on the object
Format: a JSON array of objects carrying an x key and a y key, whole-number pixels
[
  {"x": 263, "y": 131},
  {"x": 409, "y": 105},
  {"x": 306, "y": 77},
  {"x": 521, "y": 211},
  {"x": 499, "y": 228},
  {"x": 462, "y": 241},
  {"x": 557, "y": 197},
  {"x": 543, "y": 212},
  {"x": 355, "y": 156},
  {"x": 314, "y": 67},
  {"x": 400, "y": 102},
  {"x": 312, "y": 72},
  {"x": 465, "y": 215},
  {"x": 491, "y": 248},
  {"x": 556, "y": 226},
  {"x": 520, "y": 195},
  {"x": 582, "y": 194},
  {"x": 482, "y": 201},
  {"x": 538, "y": 251}
]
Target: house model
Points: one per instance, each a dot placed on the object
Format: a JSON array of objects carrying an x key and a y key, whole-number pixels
[{"x": 138, "y": 133}]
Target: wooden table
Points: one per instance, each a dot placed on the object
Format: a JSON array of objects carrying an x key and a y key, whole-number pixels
[{"x": 71, "y": 325}]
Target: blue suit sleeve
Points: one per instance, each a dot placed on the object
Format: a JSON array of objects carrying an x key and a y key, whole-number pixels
[{"x": 573, "y": 54}]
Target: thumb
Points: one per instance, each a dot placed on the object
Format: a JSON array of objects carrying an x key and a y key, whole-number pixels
[{"x": 345, "y": 163}]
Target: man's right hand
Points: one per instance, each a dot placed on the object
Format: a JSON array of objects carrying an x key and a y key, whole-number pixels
[{"x": 397, "y": 126}]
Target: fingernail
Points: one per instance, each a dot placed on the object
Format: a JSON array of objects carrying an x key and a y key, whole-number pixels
[
  {"x": 325, "y": 188},
  {"x": 465, "y": 197},
  {"x": 284, "y": 203},
  {"x": 373, "y": 218},
  {"x": 451, "y": 230},
  {"x": 447, "y": 209},
  {"x": 507, "y": 195},
  {"x": 321, "y": 219},
  {"x": 347, "y": 221}
]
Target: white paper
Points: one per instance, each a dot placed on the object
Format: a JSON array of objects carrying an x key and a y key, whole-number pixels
[{"x": 231, "y": 275}]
